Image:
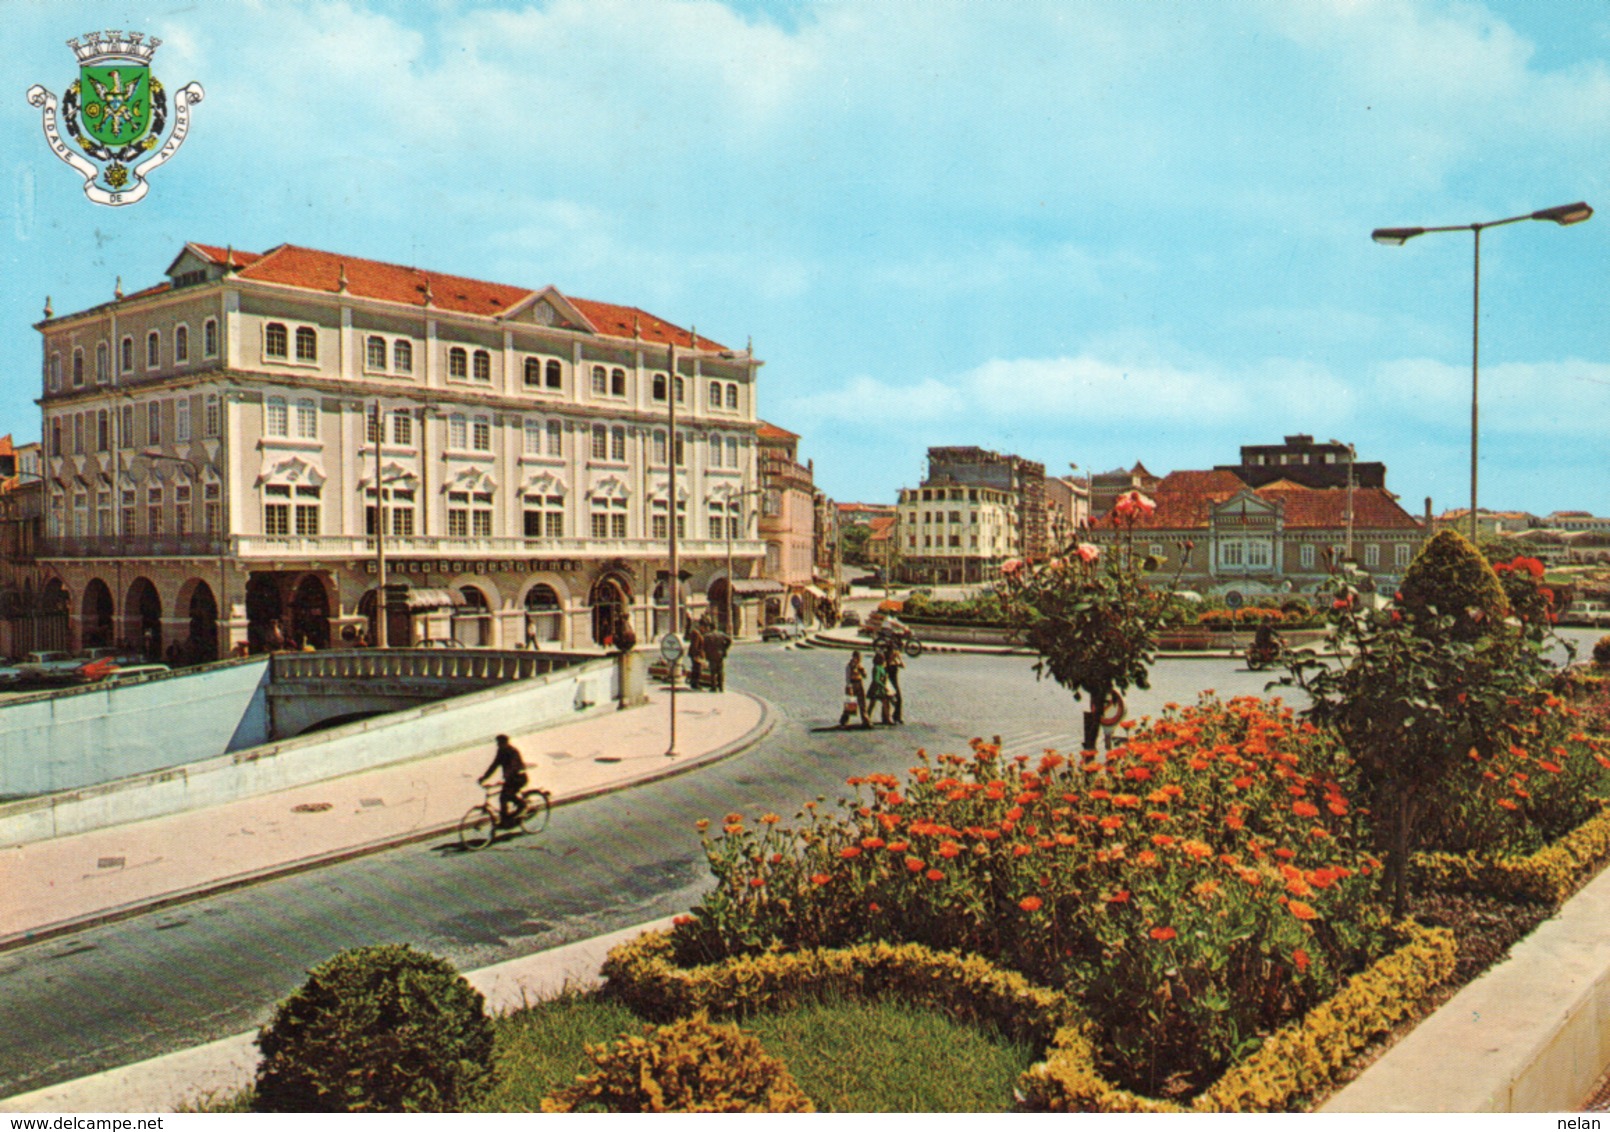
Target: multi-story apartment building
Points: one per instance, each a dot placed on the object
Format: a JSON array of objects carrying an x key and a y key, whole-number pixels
[
  {"x": 949, "y": 533},
  {"x": 787, "y": 524},
  {"x": 236, "y": 454},
  {"x": 1302, "y": 461}
]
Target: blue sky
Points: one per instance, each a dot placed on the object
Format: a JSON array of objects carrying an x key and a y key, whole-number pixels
[{"x": 1082, "y": 232}]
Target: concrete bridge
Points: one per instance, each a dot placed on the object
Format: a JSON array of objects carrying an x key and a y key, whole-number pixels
[
  {"x": 105, "y": 754},
  {"x": 313, "y": 691}
]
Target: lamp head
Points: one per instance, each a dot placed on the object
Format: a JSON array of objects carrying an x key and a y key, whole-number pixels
[
  {"x": 1565, "y": 213},
  {"x": 1397, "y": 237}
]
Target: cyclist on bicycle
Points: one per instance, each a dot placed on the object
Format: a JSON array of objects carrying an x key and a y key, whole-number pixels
[{"x": 507, "y": 760}]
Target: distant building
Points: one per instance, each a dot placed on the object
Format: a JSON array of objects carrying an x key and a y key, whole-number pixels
[
  {"x": 1106, "y": 487},
  {"x": 787, "y": 525},
  {"x": 1489, "y": 524},
  {"x": 1304, "y": 462},
  {"x": 1067, "y": 509},
  {"x": 28, "y": 619},
  {"x": 1283, "y": 537},
  {"x": 1023, "y": 480}
]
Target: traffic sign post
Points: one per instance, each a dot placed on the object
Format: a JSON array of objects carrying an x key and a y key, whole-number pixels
[{"x": 671, "y": 649}]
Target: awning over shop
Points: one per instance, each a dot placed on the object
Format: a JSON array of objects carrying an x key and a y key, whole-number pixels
[
  {"x": 747, "y": 587},
  {"x": 423, "y": 599},
  {"x": 814, "y": 591}
]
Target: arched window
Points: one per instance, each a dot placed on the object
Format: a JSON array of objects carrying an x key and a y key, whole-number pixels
[
  {"x": 375, "y": 352},
  {"x": 617, "y": 382},
  {"x": 209, "y": 338},
  {"x": 78, "y": 367},
  {"x": 153, "y": 349},
  {"x": 659, "y": 387},
  {"x": 600, "y": 381},
  {"x": 681, "y": 391},
  {"x": 533, "y": 372},
  {"x": 544, "y": 618},
  {"x": 125, "y": 355},
  {"x": 103, "y": 365},
  {"x": 181, "y": 344},
  {"x": 715, "y": 394},
  {"x": 275, "y": 342},
  {"x": 555, "y": 378},
  {"x": 732, "y": 396},
  {"x": 483, "y": 366},
  {"x": 458, "y": 362},
  {"x": 402, "y": 356},
  {"x": 307, "y": 344}
]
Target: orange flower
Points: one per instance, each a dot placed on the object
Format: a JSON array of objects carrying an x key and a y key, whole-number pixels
[
  {"x": 850, "y": 852},
  {"x": 1114, "y": 822},
  {"x": 935, "y": 874},
  {"x": 1022, "y": 850},
  {"x": 1301, "y": 911},
  {"x": 756, "y": 882},
  {"x": 1030, "y": 903},
  {"x": 1162, "y": 934},
  {"x": 1162, "y": 840},
  {"x": 770, "y": 819},
  {"x": 1119, "y": 897},
  {"x": 915, "y": 864},
  {"x": 1507, "y": 804},
  {"x": 734, "y": 828},
  {"x": 1146, "y": 857},
  {"x": 948, "y": 849},
  {"x": 702, "y": 824},
  {"x": 819, "y": 879},
  {"x": 1197, "y": 849},
  {"x": 733, "y": 819},
  {"x": 1305, "y": 809},
  {"x": 1300, "y": 958}
]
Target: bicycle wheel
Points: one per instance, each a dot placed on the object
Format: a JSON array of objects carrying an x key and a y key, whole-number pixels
[
  {"x": 913, "y": 647},
  {"x": 534, "y": 819},
  {"x": 477, "y": 828}
]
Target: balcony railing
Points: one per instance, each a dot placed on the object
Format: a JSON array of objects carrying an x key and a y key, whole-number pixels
[
  {"x": 421, "y": 546},
  {"x": 133, "y": 546}
]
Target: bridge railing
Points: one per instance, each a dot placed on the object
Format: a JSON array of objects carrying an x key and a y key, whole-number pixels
[{"x": 473, "y": 666}]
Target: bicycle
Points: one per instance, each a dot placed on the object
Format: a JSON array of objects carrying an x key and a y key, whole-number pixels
[{"x": 480, "y": 826}]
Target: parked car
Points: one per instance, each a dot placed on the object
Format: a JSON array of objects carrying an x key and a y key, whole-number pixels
[
  {"x": 851, "y": 618},
  {"x": 10, "y": 674},
  {"x": 134, "y": 671},
  {"x": 783, "y": 631},
  {"x": 49, "y": 666},
  {"x": 103, "y": 661}
]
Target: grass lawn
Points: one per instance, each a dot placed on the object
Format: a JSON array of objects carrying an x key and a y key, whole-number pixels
[{"x": 847, "y": 1056}]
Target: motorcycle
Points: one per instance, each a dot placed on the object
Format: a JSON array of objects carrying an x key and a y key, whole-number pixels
[
  {"x": 899, "y": 637},
  {"x": 1264, "y": 655}
]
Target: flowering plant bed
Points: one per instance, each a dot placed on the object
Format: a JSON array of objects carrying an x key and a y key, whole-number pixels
[
  {"x": 1299, "y": 1061},
  {"x": 1201, "y": 885}
]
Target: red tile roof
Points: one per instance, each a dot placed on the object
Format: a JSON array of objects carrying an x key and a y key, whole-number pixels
[
  {"x": 1185, "y": 501},
  {"x": 315, "y": 270},
  {"x": 769, "y": 431},
  {"x": 882, "y": 527}
]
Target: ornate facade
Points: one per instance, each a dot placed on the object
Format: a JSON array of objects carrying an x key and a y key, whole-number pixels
[{"x": 236, "y": 454}]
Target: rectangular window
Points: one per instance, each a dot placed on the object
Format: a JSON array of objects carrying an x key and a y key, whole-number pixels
[
  {"x": 617, "y": 444},
  {"x": 402, "y": 428},
  {"x": 78, "y": 434},
  {"x": 556, "y": 437},
  {"x": 275, "y": 340},
  {"x": 533, "y": 437},
  {"x": 402, "y": 356},
  {"x": 483, "y": 366},
  {"x": 181, "y": 509},
  {"x": 103, "y": 432},
  {"x": 212, "y": 420},
  {"x": 126, "y": 507},
  {"x": 1230, "y": 554},
  {"x": 600, "y": 442},
  {"x": 276, "y": 417},
  {"x": 153, "y": 510},
  {"x": 374, "y": 353},
  {"x": 458, "y": 433},
  {"x": 307, "y": 344},
  {"x": 125, "y": 355},
  {"x": 307, "y": 420},
  {"x": 211, "y": 509},
  {"x": 458, "y": 362},
  {"x": 458, "y": 514},
  {"x": 1372, "y": 554},
  {"x": 1306, "y": 556},
  {"x": 601, "y": 524},
  {"x": 181, "y": 419},
  {"x": 1400, "y": 555},
  {"x": 307, "y": 510},
  {"x": 1258, "y": 554},
  {"x": 80, "y": 513},
  {"x": 482, "y": 435}
]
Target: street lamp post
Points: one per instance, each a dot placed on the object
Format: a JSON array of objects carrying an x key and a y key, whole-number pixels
[{"x": 1563, "y": 214}]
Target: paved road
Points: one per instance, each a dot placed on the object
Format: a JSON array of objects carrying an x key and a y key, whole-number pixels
[{"x": 167, "y": 980}]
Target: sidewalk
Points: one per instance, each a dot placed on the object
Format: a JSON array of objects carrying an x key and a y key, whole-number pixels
[
  {"x": 851, "y": 639},
  {"x": 69, "y": 882}
]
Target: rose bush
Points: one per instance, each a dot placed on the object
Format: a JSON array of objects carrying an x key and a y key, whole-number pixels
[{"x": 1193, "y": 888}]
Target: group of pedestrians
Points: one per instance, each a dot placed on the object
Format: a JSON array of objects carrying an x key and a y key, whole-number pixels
[
  {"x": 707, "y": 651},
  {"x": 883, "y": 693}
]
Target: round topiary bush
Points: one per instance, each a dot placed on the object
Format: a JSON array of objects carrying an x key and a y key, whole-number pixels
[
  {"x": 377, "y": 1029},
  {"x": 1601, "y": 652},
  {"x": 692, "y": 1065},
  {"x": 1450, "y": 578}
]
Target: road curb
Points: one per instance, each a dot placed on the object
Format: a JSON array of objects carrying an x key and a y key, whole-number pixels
[{"x": 768, "y": 720}]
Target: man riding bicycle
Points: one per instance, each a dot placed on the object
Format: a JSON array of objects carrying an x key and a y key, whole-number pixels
[{"x": 507, "y": 760}]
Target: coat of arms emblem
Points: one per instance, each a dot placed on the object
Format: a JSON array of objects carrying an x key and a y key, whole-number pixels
[{"x": 115, "y": 114}]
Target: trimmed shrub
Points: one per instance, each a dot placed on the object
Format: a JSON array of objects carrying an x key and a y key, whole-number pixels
[
  {"x": 377, "y": 1029},
  {"x": 1449, "y": 578},
  {"x": 1601, "y": 651},
  {"x": 692, "y": 1065}
]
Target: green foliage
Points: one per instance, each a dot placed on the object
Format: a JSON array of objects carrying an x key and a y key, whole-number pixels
[
  {"x": 542, "y": 1047},
  {"x": 1191, "y": 889},
  {"x": 853, "y": 539},
  {"x": 692, "y": 1065},
  {"x": 377, "y": 1029},
  {"x": 1450, "y": 588},
  {"x": 893, "y": 1056},
  {"x": 986, "y": 608},
  {"x": 1601, "y": 651}
]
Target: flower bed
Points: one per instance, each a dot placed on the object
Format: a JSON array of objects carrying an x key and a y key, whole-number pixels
[
  {"x": 1547, "y": 876},
  {"x": 1297, "y": 1062},
  {"x": 1210, "y": 869}
]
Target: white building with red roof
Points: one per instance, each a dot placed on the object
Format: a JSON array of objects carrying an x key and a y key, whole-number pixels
[
  {"x": 216, "y": 445},
  {"x": 1282, "y": 537}
]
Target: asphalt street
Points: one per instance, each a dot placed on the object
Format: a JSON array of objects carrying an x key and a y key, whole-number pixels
[{"x": 170, "y": 979}]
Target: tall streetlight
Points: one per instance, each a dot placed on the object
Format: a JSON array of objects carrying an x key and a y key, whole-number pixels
[{"x": 1560, "y": 214}]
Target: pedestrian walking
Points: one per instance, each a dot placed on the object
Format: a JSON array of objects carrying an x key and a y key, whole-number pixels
[
  {"x": 879, "y": 692},
  {"x": 696, "y": 654},
  {"x": 855, "y": 692},
  {"x": 624, "y": 637},
  {"x": 716, "y": 644},
  {"x": 893, "y": 662}
]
